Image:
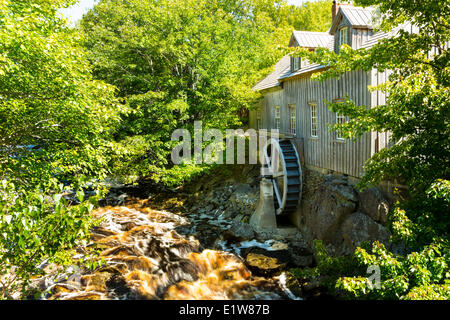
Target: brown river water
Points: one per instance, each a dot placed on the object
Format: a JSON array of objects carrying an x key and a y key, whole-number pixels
[{"x": 148, "y": 255}]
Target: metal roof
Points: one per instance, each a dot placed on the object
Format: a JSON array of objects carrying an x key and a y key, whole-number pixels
[
  {"x": 358, "y": 16},
  {"x": 271, "y": 80},
  {"x": 312, "y": 39},
  {"x": 373, "y": 40},
  {"x": 307, "y": 69}
]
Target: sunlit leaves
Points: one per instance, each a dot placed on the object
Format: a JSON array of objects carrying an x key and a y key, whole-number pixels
[
  {"x": 55, "y": 124},
  {"x": 175, "y": 62},
  {"x": 416, "y": 119}
]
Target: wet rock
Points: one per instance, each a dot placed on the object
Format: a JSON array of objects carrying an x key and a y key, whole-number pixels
[
  {"x": 113, "y": 199},
  {"x": 264, "y": 263},
  {"x": 310, "y": 285},
  {"x": 267, "y": 262},
  {"x": 117, "y": 285},
  {"x": 239, "y": 232},
  {"x": 358, "y": 228},
  {"x": 372, "y": 203}
]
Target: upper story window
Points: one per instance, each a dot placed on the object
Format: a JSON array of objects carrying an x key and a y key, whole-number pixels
[
  {"x": 277, "y": 117},
  {"x": 292, "y": 119},
  {"x": 343, "y": 36},
  {"x": 295, "y": 63},
  {"x": 314, "y": 120},
  {"x": 304, "y": 62}
]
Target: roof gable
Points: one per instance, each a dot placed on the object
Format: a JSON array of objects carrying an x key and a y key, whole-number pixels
[{"x": 357, "y": 17}]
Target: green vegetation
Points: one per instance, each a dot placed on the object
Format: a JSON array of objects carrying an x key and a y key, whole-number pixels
[
  {"x": 310, "y": 16},
  {"x": 55, "y": 131},
  {"x": 174, "y": 62},
  {"x": 77, "y": 105},
  {"x": 416, "y": 113},
  {"x": 418, "y": 275}
]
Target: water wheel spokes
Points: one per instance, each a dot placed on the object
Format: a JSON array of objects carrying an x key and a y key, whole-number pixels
[{"x": 283, "y": 163}]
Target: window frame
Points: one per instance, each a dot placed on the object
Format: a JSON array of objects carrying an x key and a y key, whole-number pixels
[
  {"x": 313, "y": 115},
  {"x": 277, "y": 117},
  {"x": 295, "y": 63},
  {"x": 258, "y": 119},
  {"x": 303, "y": 62},
  {"x": 339, "y": 119},
  {"x": 341, "y": 32},
  {"x": 292, "y": 119}
]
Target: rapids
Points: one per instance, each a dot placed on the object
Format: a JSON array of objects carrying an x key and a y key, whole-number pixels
[{"x": 154, "y": 254}]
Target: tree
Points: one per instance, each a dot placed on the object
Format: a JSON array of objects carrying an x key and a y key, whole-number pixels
[
  {"x": 310, "y": 16},
  {"x": 179, "y": 61},
  {"x": 55, "y": 127},
  {"x": 416, "y": 114}
]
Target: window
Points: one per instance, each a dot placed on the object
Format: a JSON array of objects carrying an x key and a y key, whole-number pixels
[
  {"x": 277, "y": 117},
  {"x": 343, "y": 36},
  {"x": 340, "y": 119},
  {"x": 258, "y": 120},
  {"x": 314, "y": 120},
  {"x": 292, "y": 122},
  {"x": 304, "y": 62},
  {"x": 295, "y": 63}
]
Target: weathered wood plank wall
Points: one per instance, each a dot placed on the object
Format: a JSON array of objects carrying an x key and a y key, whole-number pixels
[{"x": 325, "y": 151}]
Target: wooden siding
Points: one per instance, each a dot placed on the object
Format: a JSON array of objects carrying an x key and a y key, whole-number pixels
[
  {"x": 380, "y": 140},
  {"x": 359, "y": 36},
  {"x": 325, "y": 151}
]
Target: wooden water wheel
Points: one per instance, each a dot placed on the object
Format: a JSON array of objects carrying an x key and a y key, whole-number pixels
[{"x": 283, "y": 164}]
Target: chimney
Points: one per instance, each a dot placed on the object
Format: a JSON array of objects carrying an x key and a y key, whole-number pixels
[
  {"x": 335, "y": 8},
  {"x": 334, "y": 11}
]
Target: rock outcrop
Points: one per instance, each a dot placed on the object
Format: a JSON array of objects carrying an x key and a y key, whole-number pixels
[
  {"x": 372, "y": 203},
  {"x": 329, "y": 208},
  {"x": 358, "y": 228},
  {"x": 334, "y": 212}
]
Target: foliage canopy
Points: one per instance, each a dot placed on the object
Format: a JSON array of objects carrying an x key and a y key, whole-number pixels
[{"x": 416, "y": 115}]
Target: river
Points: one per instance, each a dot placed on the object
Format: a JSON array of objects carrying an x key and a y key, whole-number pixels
[{"x": 157, "y": 254}]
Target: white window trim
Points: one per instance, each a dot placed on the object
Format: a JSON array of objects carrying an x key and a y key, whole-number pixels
[
  {"x": 343, "y": 31},
  {"x": 313, "y": 106},
  {"x": 292, "y": 119},
  {"x": 336, "y": 120},
  {"x": 304, "y": 62},
  {"x": 343, "y": 119},
  {"x": 295, "y": 64},
  {"x": 277, "y": 117}
]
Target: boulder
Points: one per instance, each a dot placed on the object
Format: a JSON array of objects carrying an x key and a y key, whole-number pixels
[
  {"x": 359, "y": 227},
  {"x": 239, "y": 232},
  {"x": 266, "y": 263},
  {"x": 372, "y": 203},
  {"x": 329, "y": 207}
]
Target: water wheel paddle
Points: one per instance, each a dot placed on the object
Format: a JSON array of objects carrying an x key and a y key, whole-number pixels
[{"x": 283, "y": 163}]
